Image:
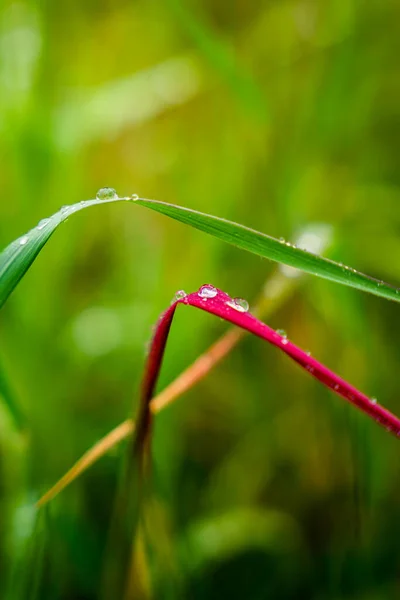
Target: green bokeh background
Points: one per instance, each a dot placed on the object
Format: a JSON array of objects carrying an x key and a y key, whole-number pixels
[{"x": 276, "y": 114}]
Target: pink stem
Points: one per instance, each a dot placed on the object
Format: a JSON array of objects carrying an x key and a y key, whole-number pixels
[
  {"x": 151, "y": 373},
  {"x": 222, "y": 306}
]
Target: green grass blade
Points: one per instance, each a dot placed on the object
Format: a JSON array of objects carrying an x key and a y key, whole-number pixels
[
  {"x": 16, "y": 258},
  {"x": 20, "y": 254},
  {"x": 276, "y": 250},
  {"x": 28, "y": 569},
  {"x": 221, "y": 58},
  {"x": 7, "y": 397}
]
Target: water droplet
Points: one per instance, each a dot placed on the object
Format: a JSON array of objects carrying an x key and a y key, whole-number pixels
[
  {"x": 239, "y": 304},
  {"x": 310, "y": 369},
  {"x": 374, "y": 400},
  {"x": 24, "y": 240},
  {"x": 281, "y": 332},
  {"x": 134, "y": 197},
  {"x": 282, "y": 240},
  {"x": 64, "y": 208},
  {"x": 207, "y": 291},
  {"x": 106, "y": 193},
  {"x": 308, "y": 353},
  {"x": 336, "y": 387},
  {"x": 42, "y": 224},
  {"x": 179, "y": 295}
]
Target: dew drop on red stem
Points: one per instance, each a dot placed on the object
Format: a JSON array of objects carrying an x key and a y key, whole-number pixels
[
  {"x": 239, "y": 304},
  {"x": 207, "y": 291},
  {"x": 179, "y": 295}
]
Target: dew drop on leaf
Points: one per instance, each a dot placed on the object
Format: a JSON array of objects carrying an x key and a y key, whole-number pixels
[
  {"x": 239, "y": 304},
  {"x": 281, "y": 332},
  {"x": 179, "y": 295},
  {"x": 24, "y": 240},
  {"x": 106, "y": 193},
  {"x": 207, "y": 291},
  {"x": 374, "y": 400},
  {"x": 42, "y": 224}
]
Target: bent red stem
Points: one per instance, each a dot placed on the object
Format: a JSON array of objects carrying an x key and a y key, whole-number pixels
[
  {"x": 151, "y": 372},
  {"x": 221, "y": 305}
]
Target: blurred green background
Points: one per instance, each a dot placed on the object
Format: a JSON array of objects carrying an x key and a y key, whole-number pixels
[{"x": 279, "y": 115}]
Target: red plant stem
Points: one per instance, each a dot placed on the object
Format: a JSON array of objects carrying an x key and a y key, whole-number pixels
[
  {"x": 221, "y": 306},
  {"x": 151, "y": 373}
]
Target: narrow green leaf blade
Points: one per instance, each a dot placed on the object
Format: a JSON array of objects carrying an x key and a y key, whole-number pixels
[
  {"x": 8, "y": 398},
  {"x": 31, "y": 533},
  {"x": 20, "y": 254},
  {"x": 16, "y": 258},
  {"x": 269, "y": 247}
]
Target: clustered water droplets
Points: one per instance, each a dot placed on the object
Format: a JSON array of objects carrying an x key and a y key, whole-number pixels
[{"x": 106, "y": 193}]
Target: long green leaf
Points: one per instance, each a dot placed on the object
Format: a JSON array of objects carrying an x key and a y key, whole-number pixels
[
  {"x": 277, "y": 250},
  {"x": 19, "y": 255},
  {"x": 16, "y": 258}
]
